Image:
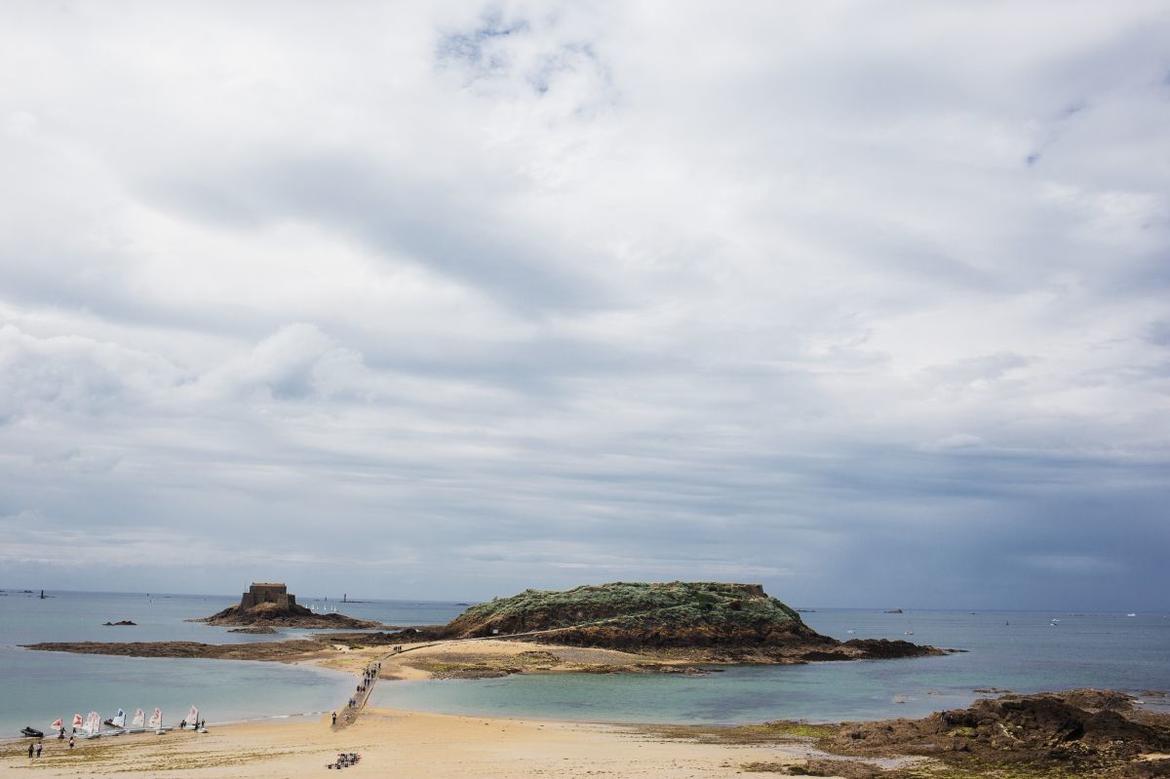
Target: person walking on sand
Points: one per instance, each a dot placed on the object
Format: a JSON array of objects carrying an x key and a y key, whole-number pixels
[
  {"x": 334, "y": 718},
  {"x": 71, "y": 742},
  {"x": 40, "y": 746},
  {"x": 30, "y": 750}
]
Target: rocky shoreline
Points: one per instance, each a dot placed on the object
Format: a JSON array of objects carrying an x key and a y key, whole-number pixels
[{"x": 1077, "y": 733}]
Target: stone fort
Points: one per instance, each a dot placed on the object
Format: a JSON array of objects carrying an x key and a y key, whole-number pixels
[{"x": 268, "y": 592}]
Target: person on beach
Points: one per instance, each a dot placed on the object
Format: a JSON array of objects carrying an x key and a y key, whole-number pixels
[
  {"x": 39, "y": 747},
  {"x": 334, "y": 718},
  {"x": 71, "y": 742},
  {"x": 30, "y": 750},
  {"x": 183, "y": 725}
]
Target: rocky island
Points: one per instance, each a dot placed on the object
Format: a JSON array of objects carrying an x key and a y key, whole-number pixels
[
  {"x": 722, "y": 621},
  {"x": 622, "y": 626},
  {"x": 271, "y": 605}
]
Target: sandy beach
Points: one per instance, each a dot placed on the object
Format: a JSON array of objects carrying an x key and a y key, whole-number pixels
[
  {"x": 397, "y": 743},
  {"x": 475, "y": 658}
]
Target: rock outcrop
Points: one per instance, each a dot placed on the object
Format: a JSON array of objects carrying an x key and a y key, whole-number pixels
[
  {"x": 725, "y": 620},
  {"x": 1074, "y": 733}
]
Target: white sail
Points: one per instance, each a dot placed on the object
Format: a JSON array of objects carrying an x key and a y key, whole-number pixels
[
  {"x": 156, "y": 718},
  {"x": 93, "y": 723},
  {"x": 193, "y": 716},
  {"x": 139, "y": 719},
  {"x": 119, "y": 720}
]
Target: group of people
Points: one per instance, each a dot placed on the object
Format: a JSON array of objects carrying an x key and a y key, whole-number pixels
[
  {"x": 197, "y": 726},
  {"x": 368, "y": 676},
  {"x": 345, "y": 760},
  {"x": 34, "y": 750}
]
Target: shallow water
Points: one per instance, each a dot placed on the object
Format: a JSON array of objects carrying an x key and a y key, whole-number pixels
[
  {"x": 1012, "y": 650},
  {"x": 38, "y": 687},
  {"x": 1008, "y": 650}
]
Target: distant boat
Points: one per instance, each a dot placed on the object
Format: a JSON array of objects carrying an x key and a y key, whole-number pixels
[
  {"x": 1131, "y": 614},
  {"x": 893, "y": 611}
]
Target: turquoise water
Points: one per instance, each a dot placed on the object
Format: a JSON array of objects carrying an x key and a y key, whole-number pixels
[
  {"x": 38, "y": 687},
  {"x": 1019, "y": 651},
  {"x": 1010, "y": 650}
]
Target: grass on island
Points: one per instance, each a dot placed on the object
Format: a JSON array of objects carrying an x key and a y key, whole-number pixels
[{"x": 618, "y": 603}]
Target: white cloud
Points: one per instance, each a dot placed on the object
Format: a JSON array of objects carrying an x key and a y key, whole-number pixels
[{"x": 645, "y": 290}]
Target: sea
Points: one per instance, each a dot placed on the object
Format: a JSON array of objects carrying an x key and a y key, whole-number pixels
[
  {"x": 1020, "y": 651},
  {"x": 38, "y": 687}
]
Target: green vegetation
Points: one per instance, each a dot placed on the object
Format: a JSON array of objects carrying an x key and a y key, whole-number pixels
[{"x": 630, "y": 606}]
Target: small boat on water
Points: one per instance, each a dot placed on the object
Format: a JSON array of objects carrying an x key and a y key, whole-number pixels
[{"x": 31, "y": 732}]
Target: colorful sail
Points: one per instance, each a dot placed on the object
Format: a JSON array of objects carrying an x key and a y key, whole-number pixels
[
  {"x": 139, "y": 719},
  {"x": 156, "y": 718},
  {"x": 78, "y": 721},
  {"x": 93, "y": 723},
  {"x": 57, "y": 724}
]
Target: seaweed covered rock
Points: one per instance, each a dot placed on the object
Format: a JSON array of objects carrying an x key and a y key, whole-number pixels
[{"x": 1085, "y": 730}]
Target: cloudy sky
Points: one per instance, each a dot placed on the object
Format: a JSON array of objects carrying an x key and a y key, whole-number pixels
[{"x": 868, "y": 302}]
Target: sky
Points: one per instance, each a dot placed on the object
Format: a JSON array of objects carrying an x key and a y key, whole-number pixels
[{"x": 868, "y": 302}]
